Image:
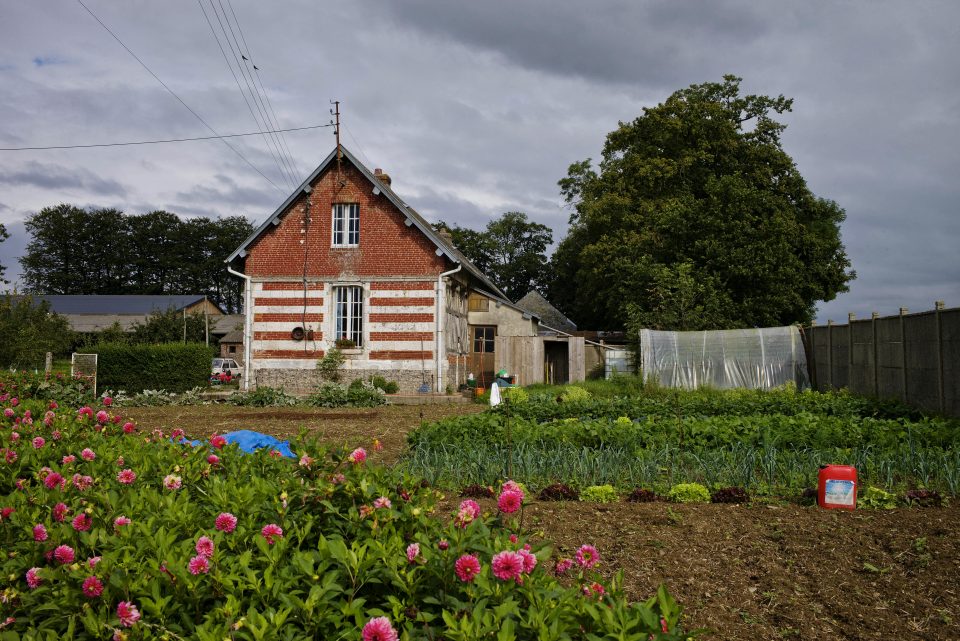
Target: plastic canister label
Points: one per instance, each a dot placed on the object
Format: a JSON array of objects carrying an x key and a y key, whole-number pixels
[{"x": 838, "y": 492}]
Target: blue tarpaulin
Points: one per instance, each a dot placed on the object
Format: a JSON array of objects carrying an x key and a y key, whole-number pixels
[{"x": 250, "y": 441}]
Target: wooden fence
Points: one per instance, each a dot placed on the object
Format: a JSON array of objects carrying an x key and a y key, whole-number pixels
[{"x": 911, "y": 357}]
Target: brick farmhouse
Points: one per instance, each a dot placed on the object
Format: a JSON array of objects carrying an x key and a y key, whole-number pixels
[{"x": 344, "y": 257}]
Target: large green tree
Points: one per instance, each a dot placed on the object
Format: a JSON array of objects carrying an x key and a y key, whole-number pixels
[
  {"x": 696, "y": 218},
  {"x": 104, "y": 251},
  {"x": 511, "y": 251},
  {"x": 28, "y": 330}
]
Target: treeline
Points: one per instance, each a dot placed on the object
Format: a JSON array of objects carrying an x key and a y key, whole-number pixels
[{"x": 105, "y": 251}]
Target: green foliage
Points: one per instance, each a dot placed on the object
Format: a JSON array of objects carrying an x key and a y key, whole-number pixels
[
  {"x": 263, "y": 397},
  {"x": 599, "y": 494},
  {"x": 572, "y": 394},
  {"x": 169, "y": 327},
  {"x": 358, "y": 394},
  {"x": 511, "y": 251},
  {"x": 876, "y": 498},
  {"x": 761, "y": 441},
  {"x": 174, "y": 367},
  {"x": 337, "y": 557},
  {"x": 388, "y": 387},
  {"x": 104, "y": 251},
  {"x": 696, "y": 218},
  {"x": 514, "y": 395},
  {"x": 53, "y": 387},
  {"x": 689, "y": 493},
  {"x": 329, "y": 366},
  {"x": 28, "y": 330}
]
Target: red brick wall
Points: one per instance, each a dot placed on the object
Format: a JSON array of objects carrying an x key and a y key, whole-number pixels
[{"x": 387, "y": 246}]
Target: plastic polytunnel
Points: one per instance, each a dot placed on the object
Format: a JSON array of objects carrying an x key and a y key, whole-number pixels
[{"x": 760, "y": 358}]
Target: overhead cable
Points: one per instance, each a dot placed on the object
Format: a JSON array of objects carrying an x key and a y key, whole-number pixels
[
  {"x": 174, "y": 94},
  {"x": 165, "y": 140}
]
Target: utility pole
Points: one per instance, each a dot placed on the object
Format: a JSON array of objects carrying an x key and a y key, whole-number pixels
[{"x": 336, "y": 131}]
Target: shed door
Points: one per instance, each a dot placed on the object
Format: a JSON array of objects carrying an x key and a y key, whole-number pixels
[{"x": 482, "y": 352}]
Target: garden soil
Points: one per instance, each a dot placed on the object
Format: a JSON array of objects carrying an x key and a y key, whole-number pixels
[{"x": 767, "y": 570}]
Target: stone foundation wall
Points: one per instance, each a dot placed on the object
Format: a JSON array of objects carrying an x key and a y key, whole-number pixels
[{"x": 305, "y": 381}]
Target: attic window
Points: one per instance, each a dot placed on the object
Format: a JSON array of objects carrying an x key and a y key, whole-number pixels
[
  {"x": 346, "y": 225},
  {"x": 479, "y": 304}
]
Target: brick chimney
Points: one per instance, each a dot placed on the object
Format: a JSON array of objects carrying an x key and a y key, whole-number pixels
[{"x": 382, "y": 176}]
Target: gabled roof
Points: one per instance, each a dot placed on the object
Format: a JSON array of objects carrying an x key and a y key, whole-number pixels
[
  {"x": 412, "y": 218},
  {"x": 501, "y": 300},
  {"x": 119, "y": 304},
  {"x": 549, "y": 315}
]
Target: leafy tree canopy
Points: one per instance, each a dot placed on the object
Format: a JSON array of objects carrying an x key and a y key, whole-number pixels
[
  {"x": 696, "y": 218},
  {"x": 511, "y": 251},
  {"x": 104, "y": 251},
  {"x": 28, "y": 330}
]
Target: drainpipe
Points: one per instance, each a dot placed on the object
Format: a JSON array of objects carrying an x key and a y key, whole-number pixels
[
  {"x": 441, "y": 316},
  {"x": 247, "y": 325}
]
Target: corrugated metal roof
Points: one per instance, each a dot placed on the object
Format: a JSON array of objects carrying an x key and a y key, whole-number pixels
[
  {"x": 443, "y": 247},
  {"x": 116, "y": 303}
]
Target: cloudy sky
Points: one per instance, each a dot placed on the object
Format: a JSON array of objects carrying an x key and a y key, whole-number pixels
[{"x": 479, "y": 108}]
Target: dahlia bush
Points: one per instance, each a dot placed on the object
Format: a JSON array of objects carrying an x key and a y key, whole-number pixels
[{"x": 108, "y": 531}]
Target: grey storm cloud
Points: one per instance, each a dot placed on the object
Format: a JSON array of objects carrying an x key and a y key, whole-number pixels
[
  {"x": 56, "y": 178},
  {"x": 480, "y": 108}
]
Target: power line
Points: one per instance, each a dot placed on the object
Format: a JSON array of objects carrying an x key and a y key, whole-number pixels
[
  {"x": 174, "y": 94},
  {"x": 256, "y": 70},
  {"x": 165, "y": 140},
  {"x": 252, "y": 87},
  {"x": 213, "y": 32}
]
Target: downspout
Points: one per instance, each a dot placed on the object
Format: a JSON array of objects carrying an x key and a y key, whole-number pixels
[
  {"x": 441, "y": 316},
  {"x": 247, "y": 325}
]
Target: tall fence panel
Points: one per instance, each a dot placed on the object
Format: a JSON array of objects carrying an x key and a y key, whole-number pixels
[{"x": 911, "y": 357}]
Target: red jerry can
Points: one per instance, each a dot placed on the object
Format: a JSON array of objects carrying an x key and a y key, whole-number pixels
[{"x": 837, "y": 487}]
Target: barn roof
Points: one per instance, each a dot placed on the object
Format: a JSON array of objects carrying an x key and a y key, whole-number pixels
[
  {"x": 444, "y": 248},
  {"x": 132, "y": 304}
]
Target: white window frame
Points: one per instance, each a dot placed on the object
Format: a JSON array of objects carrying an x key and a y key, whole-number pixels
[
  {"x": 345, "y": 225},
  {"x": 348, "y": 313}
]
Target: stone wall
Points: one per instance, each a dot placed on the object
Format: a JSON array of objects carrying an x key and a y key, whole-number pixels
[{"x": 305, "y": 381}]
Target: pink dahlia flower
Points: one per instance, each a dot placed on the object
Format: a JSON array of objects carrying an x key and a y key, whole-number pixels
[
  {"x": 226, "y": 522},
  {"x": 82, "y": 522},
  {"x": 53, "y": 479},
  {"x": 120, "y": 521},
  {"x": 529, "y": 560},
  {"x": 213, "y": 459},
  {"x": 507, "y": 565},
  {"x": 382, "y": 502},
  {"x": 92, "y": 561},
  {"x": 63, "y": 554},
  {"x": 443, "y": 544},
  {"x": 218, "y": 441},
  {"x": 358, "y": 456},
  {"x": 127, "y": 476},
  {"x": 587, "y": 556},
  {"x": 379, "y": 629},
  {"x": 413, "y": 551},
  {"x": 87, "y": 454},
  {"x": 33, "y": 578},
  {"x": 205, "y": 546},
  {"x": 199, "y": 565},
  {"x": 468, "y": 512},
  {"x": 102, "y": 417},
  {"x": 92, "y": 587},
  {"x": 129, "y": 427},
  {"x": 68, "y": 459},
  {"x": 6, "y": 512},
  {"x": 272, "y": 533},
  {"x": 467, "y": 568},
  {"x": 38, "y": 442},
  {"x": 172, "y": 482},
  {"x": 40, "y": 532},
  {"x": 107, "y": 401},
  {"x": 562, "y": 566},
  {"x": 510, "y": 501},
  {"x": 60, "y": 512},
  {"x": 127, "y": 613}
]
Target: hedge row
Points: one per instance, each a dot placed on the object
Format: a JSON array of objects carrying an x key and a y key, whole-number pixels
[{"x": 175, "y": 367}]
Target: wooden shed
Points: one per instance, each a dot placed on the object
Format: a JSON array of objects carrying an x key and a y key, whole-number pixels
[{"x": 541, "y": 359}]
